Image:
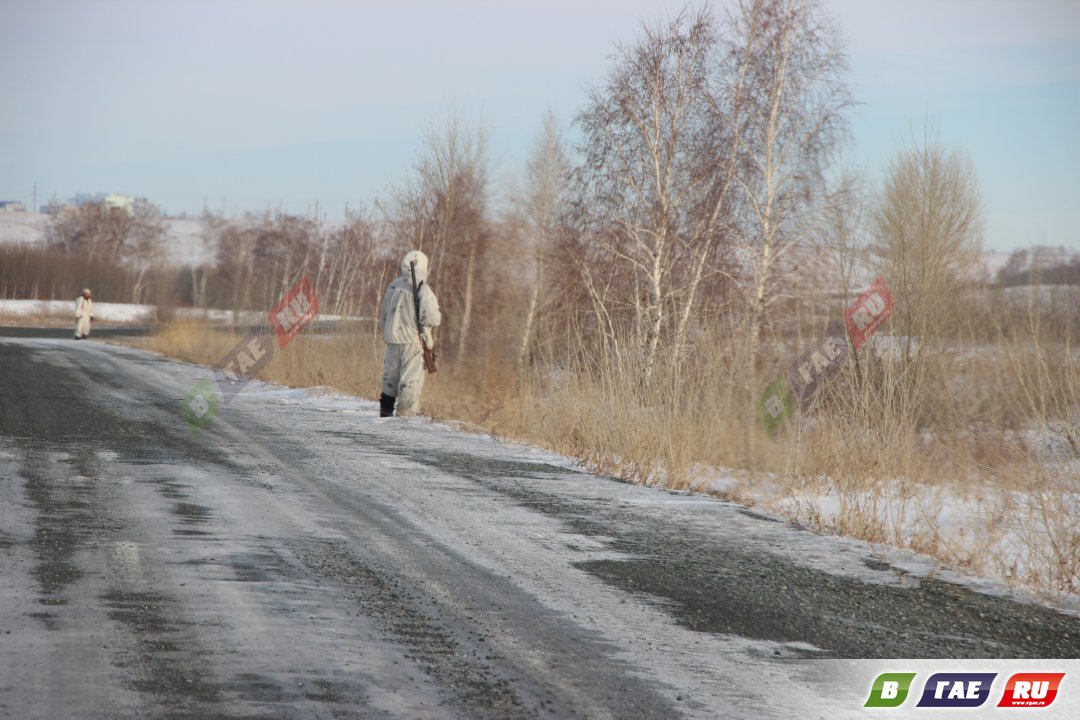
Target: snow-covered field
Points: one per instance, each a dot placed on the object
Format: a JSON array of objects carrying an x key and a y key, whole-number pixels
[
  {"x": 184, "y": 236},
  {"x": 103, "y": 312},
  {"x": 129, "y": 313},
  {"x": 16, "y": 227},
  {"x": 185, "y": 241}
]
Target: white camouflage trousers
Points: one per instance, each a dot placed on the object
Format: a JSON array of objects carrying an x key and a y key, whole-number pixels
[{"x": 403, "y": 375}]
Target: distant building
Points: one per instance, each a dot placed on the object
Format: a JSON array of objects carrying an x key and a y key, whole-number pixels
[
  {"x": 120, "y": 202},
  {"x": 110, "y": 201},
  {"x": 81, "y": 199},
  {"x": 12, "y": 206}
]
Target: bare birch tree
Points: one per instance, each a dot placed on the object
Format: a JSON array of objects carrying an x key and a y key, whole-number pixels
[
  {"x": 541, "y": 203},
  {"x": 709, "y": 138},
  {"x": 235, "y": 265},
  {"x": 790, "y": 121},
  {"x": 645, "y": 179},
  {"x": 351, "y": 266}
]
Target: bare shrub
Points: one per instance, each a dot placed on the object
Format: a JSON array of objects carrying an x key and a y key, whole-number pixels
[
  {"x": 928, "y": 240},
  {"x": 35, "y": 273}
]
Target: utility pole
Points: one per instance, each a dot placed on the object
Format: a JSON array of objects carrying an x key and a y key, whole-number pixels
[{"x": 33, "y": 205}]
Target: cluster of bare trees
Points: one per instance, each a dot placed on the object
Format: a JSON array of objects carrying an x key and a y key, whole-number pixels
[
  {"x": 116, "y": 237},
  {"x": 29, "y": 272},
  {"x": 1041, "y": 265},
  {"x": 541, "y": 205},
  {"x": 700, "y": 157},
  {"x": 259, "y": 258}
]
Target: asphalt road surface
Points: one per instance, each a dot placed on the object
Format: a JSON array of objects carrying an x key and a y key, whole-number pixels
[{"x": 302, "y": 558}]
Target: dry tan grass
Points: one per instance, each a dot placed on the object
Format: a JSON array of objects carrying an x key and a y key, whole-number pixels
[
  {"x": 192, "y": 342},
  {"x": 37, "y": 319}
]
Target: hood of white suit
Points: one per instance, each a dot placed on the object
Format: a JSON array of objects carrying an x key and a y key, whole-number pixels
[{"x": 421, "y": 261}]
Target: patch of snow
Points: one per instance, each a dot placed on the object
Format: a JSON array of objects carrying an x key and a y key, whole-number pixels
[
  {"x": 103, "y": 312},
  {"x": 133, "y": 313},
  {"x": 25, "y": 227},
  {"x": 999, "y": 532},
  {"x": 713, "y": 481},
  {"x": 184, "y": 238}
]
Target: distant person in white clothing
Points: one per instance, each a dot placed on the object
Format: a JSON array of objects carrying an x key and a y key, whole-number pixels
[{"x": 84, "y": 314}]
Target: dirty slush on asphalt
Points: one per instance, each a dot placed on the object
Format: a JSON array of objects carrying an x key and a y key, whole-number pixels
[
  {"x": 242, "y": 572},
  {"x": 65, "y": 428}
]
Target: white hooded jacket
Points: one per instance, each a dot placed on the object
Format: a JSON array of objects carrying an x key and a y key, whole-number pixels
[{"x": 398, "y": 315}]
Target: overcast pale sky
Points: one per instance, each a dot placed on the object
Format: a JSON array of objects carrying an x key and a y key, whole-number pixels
[{"x": 250, "y": 105}]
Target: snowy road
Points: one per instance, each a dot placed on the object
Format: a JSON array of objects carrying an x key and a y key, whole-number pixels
[{"x": 302, "y": 558}]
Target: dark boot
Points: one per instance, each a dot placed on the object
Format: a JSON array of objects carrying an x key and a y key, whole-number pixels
[{"x": 386, "y": 405}]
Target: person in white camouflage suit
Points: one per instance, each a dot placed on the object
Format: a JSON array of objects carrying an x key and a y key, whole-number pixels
[
  {"x": 403, "y": 364},
  {"x": 84, "y": 313}
]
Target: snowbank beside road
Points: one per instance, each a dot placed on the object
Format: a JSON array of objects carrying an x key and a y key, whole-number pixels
[
  {"x": 134, "y": 314},
  {"x": 103, "y": 312}
]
